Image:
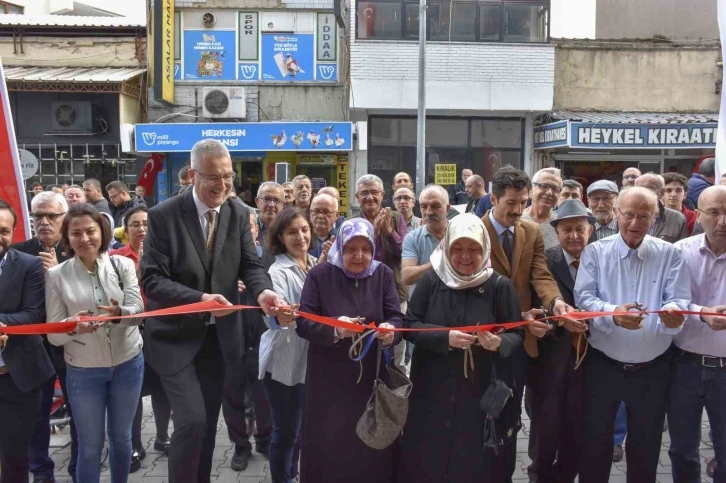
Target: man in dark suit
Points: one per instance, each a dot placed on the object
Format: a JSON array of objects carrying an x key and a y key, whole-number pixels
[
  {"x": 24, "y": 363},
  {"x": 197, "y": 248},
  {"x": 49, "y": 210},
  {"x": 518, "y": 253},
  {"x": 556, "y": 383}
]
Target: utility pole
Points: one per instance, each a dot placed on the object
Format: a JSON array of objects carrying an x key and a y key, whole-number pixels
[{"x": 421, "y": 120}]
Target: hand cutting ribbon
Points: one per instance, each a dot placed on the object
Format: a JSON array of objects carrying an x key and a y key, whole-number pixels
[{"x": 212, "y": 306}]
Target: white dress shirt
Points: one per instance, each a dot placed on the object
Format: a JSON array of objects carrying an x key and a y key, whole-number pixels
[
  {"x": 708, "y": 288},
  {"x": 611, "y": 274}
]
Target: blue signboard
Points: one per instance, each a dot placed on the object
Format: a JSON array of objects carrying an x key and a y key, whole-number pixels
[
  {"x": 177, "y": 72},
  {"x": 551, "y": 135},
  {"x": 210, "y": 54},
  {"x": 247, "y": 136},
  {"x": 644, "y": 136},
  {"x": 288, "y": 57},
  {"x": 249, "y": 71},
  {"x": 625, "y": 136}
]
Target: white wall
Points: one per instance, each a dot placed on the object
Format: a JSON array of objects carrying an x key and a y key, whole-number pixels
[
  {"x": 573, "y": 19},
  {"x": 126, "y": 8}
]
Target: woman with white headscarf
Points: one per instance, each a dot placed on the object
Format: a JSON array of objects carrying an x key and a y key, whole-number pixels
[{"x": 451, "y": 370}]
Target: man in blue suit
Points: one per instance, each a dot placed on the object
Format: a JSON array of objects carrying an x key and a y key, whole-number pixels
[{"x": 24, "y": 363}]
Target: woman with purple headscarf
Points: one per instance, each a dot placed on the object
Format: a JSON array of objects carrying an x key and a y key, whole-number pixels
[{"x": 351, "y": 286}]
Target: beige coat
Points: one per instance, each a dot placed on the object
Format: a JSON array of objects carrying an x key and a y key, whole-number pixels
[{"x": 68, "y": 291}]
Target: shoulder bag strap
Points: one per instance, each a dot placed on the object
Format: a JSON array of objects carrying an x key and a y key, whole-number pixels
[{"x": 118, "y": 274}]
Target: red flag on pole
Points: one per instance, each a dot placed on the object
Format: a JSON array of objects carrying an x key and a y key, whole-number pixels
[
  {"x": 147, "y": 177},
  {"x": 12, "y": 185}
]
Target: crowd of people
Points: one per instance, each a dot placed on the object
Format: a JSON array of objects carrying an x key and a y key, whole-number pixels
[{"x": 530, "y": 250}]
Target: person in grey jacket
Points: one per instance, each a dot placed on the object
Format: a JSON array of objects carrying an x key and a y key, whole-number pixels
[
  {"x": 105, "y": 362},
  {"x": 283, "y": 353},
  {"x": 670, "y": 225}
]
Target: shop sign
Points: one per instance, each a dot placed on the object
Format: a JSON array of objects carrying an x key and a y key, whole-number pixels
[
  {"x": 343, "y": 185},
  {"x": 210, "y": 54},
  {"x": 318, "y": 183},
  {"x": 246, "y": 136},
  {"x": 164, "y": 44},
  {"x": 551, "y": 135},
  {"x": 28, "y": 163},
  {"x": 288, "y": 57},
  {"x": 625, "y": 136},
  {"x": 249, "y": 36},
  {"x": 445, "y": 174},
  {"x": 327, "y": 38},
  {"x": 323, "y": 159}
]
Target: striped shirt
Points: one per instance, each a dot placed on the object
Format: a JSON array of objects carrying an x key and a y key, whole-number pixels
[{"x": 604, "y": 231}]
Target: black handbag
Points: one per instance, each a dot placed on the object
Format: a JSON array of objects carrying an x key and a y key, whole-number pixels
[{"x": 492, "y": 404}]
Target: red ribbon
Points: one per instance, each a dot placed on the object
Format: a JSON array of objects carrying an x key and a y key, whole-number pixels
[{"x": 199, "y": 307}]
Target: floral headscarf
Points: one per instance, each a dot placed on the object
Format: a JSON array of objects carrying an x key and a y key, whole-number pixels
[
  {"x": 462, "y": 226},
  {"x": 349, "y": 230}
]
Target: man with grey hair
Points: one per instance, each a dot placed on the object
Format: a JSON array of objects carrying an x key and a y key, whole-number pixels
[
  {"x": 270, "y": 202},
  {"x": 94, "y": 195},
  {"x": 404, "y": 200},
  {"x": 389, "y": 230},
  {"x": 670, "y": 225},
  {"x": 323, "y": 215},
  {"x": 629, "y": 358},
  {"x": 303, "y": 191},
  {"x": 48, "y": 211},
  {"x": 198, "y": 246},
  {"x": 629, "y": 176},
  {"x": 457, "y": 193},
  {"x": 289, "y": 191},
  {"x": 545, "y": 191}
]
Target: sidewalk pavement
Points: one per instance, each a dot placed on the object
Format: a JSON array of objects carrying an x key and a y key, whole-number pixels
[{"x": 154, "y": 468}]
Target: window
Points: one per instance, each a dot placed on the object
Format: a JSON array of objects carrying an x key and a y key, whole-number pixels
[
  {"x": 518, "y": 21},
  {"x": 9, "y": 8},
  {"x": 482, "y": 145}
]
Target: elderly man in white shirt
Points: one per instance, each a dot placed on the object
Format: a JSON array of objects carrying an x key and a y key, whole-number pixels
[{"x": 629, "y": 358}]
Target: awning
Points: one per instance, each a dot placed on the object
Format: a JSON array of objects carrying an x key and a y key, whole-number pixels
[
  {"x": 626, "y": 130},
  {"x": 74, "y": 79}
]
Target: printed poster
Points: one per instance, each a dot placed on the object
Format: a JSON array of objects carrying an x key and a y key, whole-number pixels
[
  {"x": 210, "y": 54},
  {"x": 288, "y": 57}
]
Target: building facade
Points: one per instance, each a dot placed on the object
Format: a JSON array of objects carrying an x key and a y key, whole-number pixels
[
  {"x": 73, "y": 81},
  {"x": 268, "y": 81},
  {"x": 489, "y": 72}
]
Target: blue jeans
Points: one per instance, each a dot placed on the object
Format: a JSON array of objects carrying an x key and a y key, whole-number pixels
[
  {"x": 621, "y": 425},
  {"x": 695, "y": 387},
  {"x": 94, "y": 392},
  {"x": 286, "y": 406}
]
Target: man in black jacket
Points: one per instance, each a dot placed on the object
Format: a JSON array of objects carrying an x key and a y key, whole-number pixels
[
  {"x": 556, "y": 384},
  {"x": 197, "y": 248},
  {"x": 49, "y": 210},
  {"x": 122, "y": 201},
  {"x": 24, "y": 363}
]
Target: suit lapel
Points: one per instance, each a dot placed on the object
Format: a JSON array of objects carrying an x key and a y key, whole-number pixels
[
  {"x": 562, "y": 271},
  {"x": 7, "y": 278},
  {"x": 221, "y": 235},
  {"x": 518, "y": 246},
  {"x": 194, "y": 229},
  {"x": 497, "y": 250}
]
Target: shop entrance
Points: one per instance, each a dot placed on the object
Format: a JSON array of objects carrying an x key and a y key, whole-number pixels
[
  {"x": 249, "y": 178},
  {"x": 587, "y": 172}
]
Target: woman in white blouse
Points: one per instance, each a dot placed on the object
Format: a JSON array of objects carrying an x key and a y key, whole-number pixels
[
  {"x": 105, "y": 361},
  {"x": 283, "y": 353}
]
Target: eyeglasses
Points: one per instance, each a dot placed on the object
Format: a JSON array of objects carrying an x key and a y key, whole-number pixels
[
  {"x": 112, "y": 196},
  {"x": 216, "y": 179},
  {"x": 367, "y": 193},
  {"x": 51, "y": 216},
  {"x": 402, "y": 198},
  {"x": 713, "y": 213},
  {"x": 549, "y": 187},
  {"x": 270, "y": 201},
  {"x": 323, "y": 212},
  {"x": 632, "y": 216},
  {"x": 136, "y": 225}
]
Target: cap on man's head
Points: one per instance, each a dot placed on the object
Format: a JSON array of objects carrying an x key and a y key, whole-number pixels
[
  {"x": 602, "y": 185},
  {"x": 572, "y": 209}
]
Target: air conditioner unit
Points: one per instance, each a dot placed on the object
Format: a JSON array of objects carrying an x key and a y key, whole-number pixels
[
  {"x": 224, "y": 103},
  {"x": 72, "y": 116}
]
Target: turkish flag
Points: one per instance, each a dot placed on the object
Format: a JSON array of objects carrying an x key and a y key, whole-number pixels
[
  {"x": 153, "y": 165},
  {"x": 12, "y": 185}
]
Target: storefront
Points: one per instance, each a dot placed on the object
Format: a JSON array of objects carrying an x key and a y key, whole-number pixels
[
  {"x": 589, "y": 146},
  {"x": 452, "y": 144},
  {"x": 316, "y": 149}
]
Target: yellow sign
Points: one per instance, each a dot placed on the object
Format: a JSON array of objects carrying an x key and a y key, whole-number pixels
[
  {"x": 164, "y": 51},
  {"x": 343, "y": 184},
  {"x": 445, "y": 174}
]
